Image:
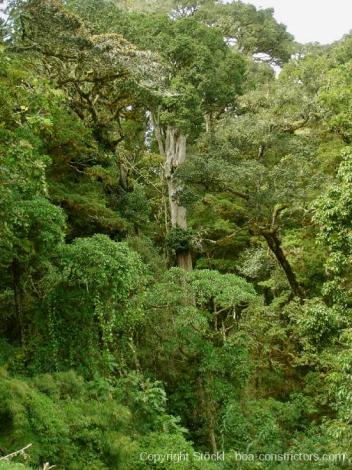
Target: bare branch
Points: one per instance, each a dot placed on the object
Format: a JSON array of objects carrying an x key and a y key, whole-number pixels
[
  {"x": 17, "y": 452},
  {"x": 276, "y": 213}
]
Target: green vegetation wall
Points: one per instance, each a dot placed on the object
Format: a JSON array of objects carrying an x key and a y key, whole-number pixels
[{"x": 111, "y": 355}]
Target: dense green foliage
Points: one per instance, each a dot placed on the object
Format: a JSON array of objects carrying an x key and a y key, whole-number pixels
[{"x": 114, "y": 352}]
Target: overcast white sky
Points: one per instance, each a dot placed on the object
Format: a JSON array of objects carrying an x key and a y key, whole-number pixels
[{"x": 321, "y": 21}]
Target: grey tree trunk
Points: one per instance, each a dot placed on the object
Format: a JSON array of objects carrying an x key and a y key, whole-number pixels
[
  {"x": 175, "y": 153},
  {"x": 173, "y": 145},
  {"x": 158, "y": 132},
  {"x": 208, "y": 123}
]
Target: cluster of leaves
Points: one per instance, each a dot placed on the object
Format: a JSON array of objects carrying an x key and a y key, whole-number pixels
[{"x": 96, "y": 424}]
